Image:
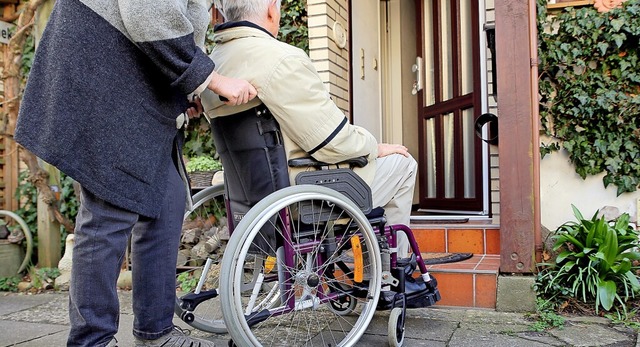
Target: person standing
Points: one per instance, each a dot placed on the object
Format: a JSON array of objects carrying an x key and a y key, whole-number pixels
[{"x": 105, "y": 102}]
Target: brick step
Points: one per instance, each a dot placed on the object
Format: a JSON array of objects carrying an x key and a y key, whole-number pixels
[
  {"x": 476, "y": 239},
  {"x": 469, "y": 283}
]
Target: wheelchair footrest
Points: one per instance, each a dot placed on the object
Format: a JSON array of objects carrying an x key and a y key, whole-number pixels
[
  {"x": 417, "y": 292},
  {"x": 423, "y": 299}
]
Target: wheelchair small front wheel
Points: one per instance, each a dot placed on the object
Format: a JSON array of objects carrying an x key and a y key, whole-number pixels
[
  {"x": 395, "y": 328},
  {"x": 329, "y": 259}
]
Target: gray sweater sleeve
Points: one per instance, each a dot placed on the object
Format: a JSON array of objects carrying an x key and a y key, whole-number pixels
[{"x": 166, "y": 32}]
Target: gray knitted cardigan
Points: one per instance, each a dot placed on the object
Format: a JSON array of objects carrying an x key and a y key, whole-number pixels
[{"x": 108, "y": 81}]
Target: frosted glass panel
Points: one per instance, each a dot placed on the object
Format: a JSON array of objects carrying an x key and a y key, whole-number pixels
[
  {"x": 449, "y": 159},
  {"x": 429, "y": 62},
  {"x": 430, "y": 140},
  {"x": 466, "y": 50},
  {"x": 468, "y": 153},
  {"x": 446, "y": 57}
]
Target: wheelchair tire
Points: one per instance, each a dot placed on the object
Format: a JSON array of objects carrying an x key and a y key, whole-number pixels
[
  {"x": 207, "y": 216},
  {"x": 395, "y": 328},
  {"x": 313, "y": 265}
]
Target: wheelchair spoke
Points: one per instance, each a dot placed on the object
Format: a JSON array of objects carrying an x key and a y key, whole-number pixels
[{"x": 312, "y": 276}]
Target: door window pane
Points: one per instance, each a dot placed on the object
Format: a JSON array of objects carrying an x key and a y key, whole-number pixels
[
  {"x": 468, "y": 153},
  {"x": 466, "y": 48},
  {"x": 429, "y": 60},
  {"x": 446, "y": 54},
  {"x": 430, "y": 140},
  {"x": 448, "y": 129}
]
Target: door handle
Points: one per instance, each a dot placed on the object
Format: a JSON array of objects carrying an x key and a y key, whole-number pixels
[{"x": 417, "y": 69}]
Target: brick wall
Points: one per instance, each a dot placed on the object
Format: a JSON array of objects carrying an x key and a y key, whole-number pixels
[{"x": 331, "y": 61}]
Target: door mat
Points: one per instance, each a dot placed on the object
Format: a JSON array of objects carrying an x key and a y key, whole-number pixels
[
  {"x": 431, "y": 258},
  {"x": 418, "y": 220}
]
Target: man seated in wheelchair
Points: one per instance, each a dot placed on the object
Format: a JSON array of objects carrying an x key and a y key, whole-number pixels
[{"x": 310, "y": 122}]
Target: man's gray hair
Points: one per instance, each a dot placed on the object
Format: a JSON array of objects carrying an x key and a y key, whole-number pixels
[{"x": 236, "y": 10}]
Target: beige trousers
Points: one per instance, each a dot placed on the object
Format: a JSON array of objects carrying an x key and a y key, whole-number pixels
[{"x": 392, "y": 188}]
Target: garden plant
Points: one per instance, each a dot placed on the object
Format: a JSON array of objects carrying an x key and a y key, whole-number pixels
[{"x": 596, "y": 264}]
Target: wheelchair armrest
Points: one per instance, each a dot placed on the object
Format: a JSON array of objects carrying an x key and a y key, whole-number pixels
[{"x": 311, "y": 162}]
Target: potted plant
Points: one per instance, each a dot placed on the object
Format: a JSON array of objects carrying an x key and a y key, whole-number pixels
[{"x": 201, "y": 170}]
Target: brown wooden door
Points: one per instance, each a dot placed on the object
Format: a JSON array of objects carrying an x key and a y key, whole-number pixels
[{"x": 450, "y": 153}]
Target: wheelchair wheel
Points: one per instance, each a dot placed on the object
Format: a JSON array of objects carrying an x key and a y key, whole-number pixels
[
  {"x": 395, "y": 328},
  {"x": 203, "y": 240},
  {"x": 309, "y": 267}
]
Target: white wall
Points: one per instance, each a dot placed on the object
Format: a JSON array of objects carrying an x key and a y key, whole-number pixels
[{"x": 561, "y": 186}]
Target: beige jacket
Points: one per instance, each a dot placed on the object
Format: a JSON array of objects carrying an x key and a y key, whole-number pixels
[{"x": 289, "y": 85}]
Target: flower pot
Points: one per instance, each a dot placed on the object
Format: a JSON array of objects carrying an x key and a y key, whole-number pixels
[
  {"x": 11, "y": 256},
  {"x": 201, "y": 179}
]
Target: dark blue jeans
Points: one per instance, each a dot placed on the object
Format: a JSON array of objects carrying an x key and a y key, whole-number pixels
[{"x": 101, "y": 238}]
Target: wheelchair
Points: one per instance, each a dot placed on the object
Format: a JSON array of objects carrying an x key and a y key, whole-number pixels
[{"x": 307, "y": 264}]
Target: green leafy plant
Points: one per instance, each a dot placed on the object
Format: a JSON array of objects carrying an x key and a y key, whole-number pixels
[
  {"x": 629, "y": 320},
  {"x": 590, "y": 90},
  {"x": 595, "y": 262},
  {"x": 203, "y": 163},
  {"x": 293, "y": 24},
  {"x": 42, "y": 278},
  {"x": 186, "y": 281},
  {"x": 9, "y": 284},
  {"x": 69, "y": 203},
  {"x": 27, "y": 195},
  {"x": 546, "y": 317},
  {"x": 198, "y": 139}
]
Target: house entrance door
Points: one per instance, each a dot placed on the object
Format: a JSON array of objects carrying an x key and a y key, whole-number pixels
[{"x": 450, "y": 153}]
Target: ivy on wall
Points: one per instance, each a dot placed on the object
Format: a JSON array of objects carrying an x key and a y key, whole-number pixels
[
  {"x": 293, "y": 24},
  {"x": 590, "y": 90}
]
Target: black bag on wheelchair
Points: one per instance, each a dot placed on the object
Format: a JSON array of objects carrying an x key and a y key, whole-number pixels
[{"x": 254, "y": 160}]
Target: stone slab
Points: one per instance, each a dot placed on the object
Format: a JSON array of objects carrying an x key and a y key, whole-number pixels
[
  {"x": 464, "y": 337},
  {"x": 15, "y": 333},
  {"x": 10, "y": 302},
  {"x": 583, "y": 335}
]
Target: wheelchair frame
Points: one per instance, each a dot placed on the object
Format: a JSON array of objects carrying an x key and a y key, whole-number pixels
[
  {"x": 384, "y": 234},
  {"x": 281, "y": 269}
]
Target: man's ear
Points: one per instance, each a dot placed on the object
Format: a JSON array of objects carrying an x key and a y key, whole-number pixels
[{"x": 273, "y": 10}]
